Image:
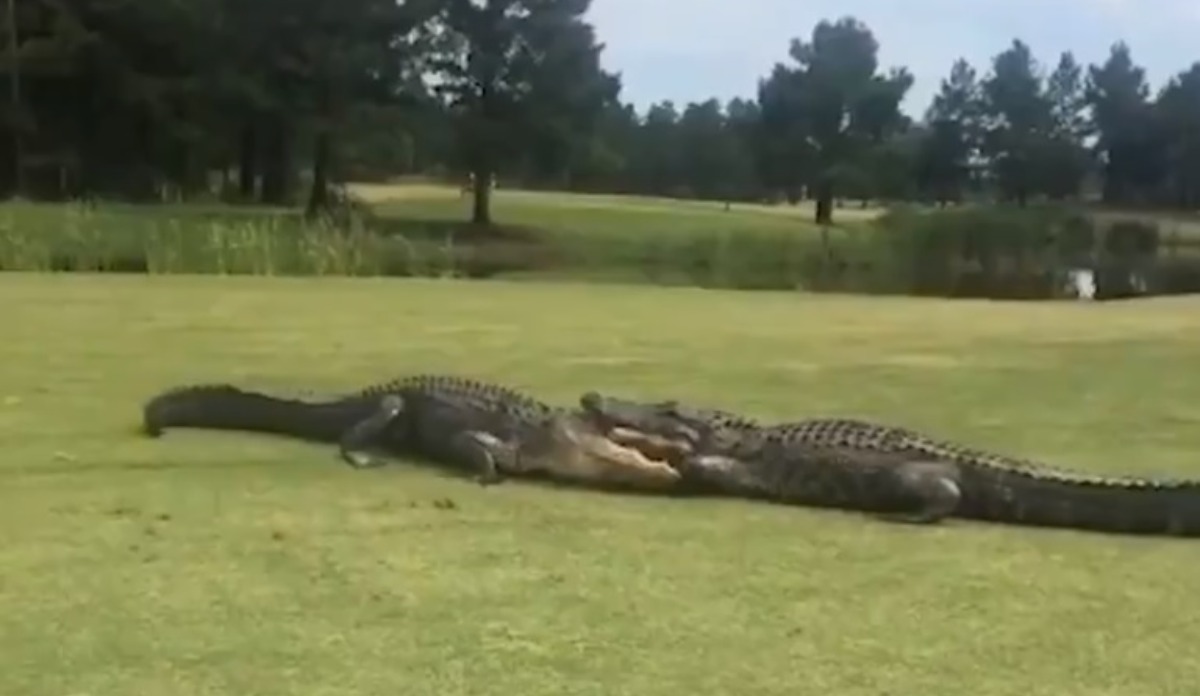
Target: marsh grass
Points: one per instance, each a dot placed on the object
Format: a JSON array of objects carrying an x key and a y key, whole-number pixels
[
  {"x": 180, "y": 239},
  {"x": 419, "y": 231}
]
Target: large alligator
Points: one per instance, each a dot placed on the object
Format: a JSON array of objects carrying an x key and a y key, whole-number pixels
[
  {"x": 487, "y": 429},
  {"x": 896, "y": 473}
]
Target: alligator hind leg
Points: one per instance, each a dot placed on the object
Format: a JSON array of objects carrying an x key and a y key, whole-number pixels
[
  {"x": 934, "y": 487},
  {"x": 354, "y": 442}
]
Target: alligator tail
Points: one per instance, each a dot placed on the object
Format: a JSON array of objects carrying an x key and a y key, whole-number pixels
[
  {"x": 1095, "y": 503},
  {"x": 225, "y": 407}
]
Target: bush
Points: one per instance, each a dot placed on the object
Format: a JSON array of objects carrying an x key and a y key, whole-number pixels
[
  {"x": 975, "y": 252},
  {"x": 749, "y": 260},
  {"x": 1177, "y": 275},
  {"x": 1006, "y": 252}
]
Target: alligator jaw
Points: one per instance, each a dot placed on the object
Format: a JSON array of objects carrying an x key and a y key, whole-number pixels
[{"x": 651, "y": 445}]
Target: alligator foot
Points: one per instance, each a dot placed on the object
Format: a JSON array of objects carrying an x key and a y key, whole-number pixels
[
  {"x": 355, "y": 441},
  {"x": 935, "y": 488}
]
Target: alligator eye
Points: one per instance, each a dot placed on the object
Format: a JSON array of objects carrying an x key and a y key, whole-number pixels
[{"x": 590, "y": 400}]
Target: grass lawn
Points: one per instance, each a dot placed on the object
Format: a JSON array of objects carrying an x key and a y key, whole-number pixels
[
  {"x": 608, "y": 214},
  {"x": 208, "y": 563},
  {"x": 597, "y": 214}
]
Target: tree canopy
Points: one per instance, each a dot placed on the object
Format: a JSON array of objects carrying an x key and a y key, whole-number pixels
[{"x": 276, "y": 102}]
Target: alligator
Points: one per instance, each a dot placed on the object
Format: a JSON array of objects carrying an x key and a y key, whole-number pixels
[
  {"x": 890, "y": 472},
  {"x": 489, "y": 430}
]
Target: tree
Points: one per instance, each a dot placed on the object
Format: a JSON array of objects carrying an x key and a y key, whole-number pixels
[
  {"x": 139, "y": 98},
  {"x": 1064, "y": 160},
  {"x": 604, "y": 159},
  {"x": 783, "y": 148},
  {"x": 515, "y": 74},
  {"x": 951, "y": 141},
  {"x": 831, "y": 110},
  {"x": 350, "y": 56},
  {"x": 894, "y": 166},
  {"x": 742, "y": 180},
  {"x": 1178, "y": 111},
  {"x": 657, "y": 161},
  {"x": 109, "y": 95},
  {"x": 1121, "y": 113},
  {"x": 1017, "y": 120}
]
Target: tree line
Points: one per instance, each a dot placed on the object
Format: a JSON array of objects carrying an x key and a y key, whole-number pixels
[{"x": 139, "y": 99}]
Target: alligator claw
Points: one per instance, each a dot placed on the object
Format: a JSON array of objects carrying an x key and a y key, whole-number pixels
[
  {"x": 486, "y": 480},
  {"x": 361, "y": 460}
]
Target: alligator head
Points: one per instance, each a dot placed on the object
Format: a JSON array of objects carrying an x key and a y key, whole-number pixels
[{"x": 659, "y": 429}]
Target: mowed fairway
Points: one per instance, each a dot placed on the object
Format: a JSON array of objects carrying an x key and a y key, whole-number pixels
[
  {"x": 208, "y": 563},
  {"x": 598, "y": 214}
]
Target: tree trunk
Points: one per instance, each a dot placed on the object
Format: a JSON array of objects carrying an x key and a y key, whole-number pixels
[
  {"x": 481, "y": 206},
  {"x": 824, "y": 208},
  {"x": 276, "y": 161},
  {"x": 14, "y": 78},
  {"x": 1111, "y": 191},
  {"x": 318, "y": 196}
]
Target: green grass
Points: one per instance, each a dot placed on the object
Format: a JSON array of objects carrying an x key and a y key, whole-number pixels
[
  {"x": 208, "y": 563},
  {"x": 596, "y": 214}
]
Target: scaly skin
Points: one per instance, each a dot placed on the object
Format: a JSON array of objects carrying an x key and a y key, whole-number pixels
[
  {"x": 487, "y": 429},
  {"x": 896, "y": 473}
]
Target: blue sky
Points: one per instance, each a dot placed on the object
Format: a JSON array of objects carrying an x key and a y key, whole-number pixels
[{"x": 689, "y": 50}]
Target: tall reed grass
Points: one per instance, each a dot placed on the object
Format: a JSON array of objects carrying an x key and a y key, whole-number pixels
[
  {"x": 988, "y": 252},
  {"x": 179, "y": 239}
]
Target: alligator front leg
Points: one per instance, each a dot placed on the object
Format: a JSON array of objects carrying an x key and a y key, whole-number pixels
[
  {"x": 354, "y": 442},
  {"x": 934, "y": 487},
  {"x": 487, "y": 455},
  {"x": 725, "y": 474}
]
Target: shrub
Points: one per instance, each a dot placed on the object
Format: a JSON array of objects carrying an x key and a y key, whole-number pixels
[{"x": 1006, "y": 252}]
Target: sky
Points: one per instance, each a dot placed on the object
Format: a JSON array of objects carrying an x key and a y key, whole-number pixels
[{"x": 691, "y": 50}]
